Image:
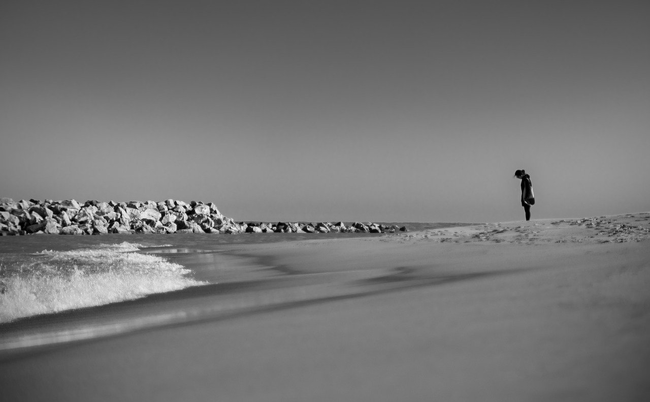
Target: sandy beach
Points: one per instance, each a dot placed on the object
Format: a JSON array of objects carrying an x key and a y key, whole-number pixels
[{"x": 553, "y": 309}]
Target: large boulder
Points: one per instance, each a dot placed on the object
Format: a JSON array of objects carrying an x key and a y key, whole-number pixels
[
  {"x": 33, "y": 218},
  {"x": 5, "y": 216},
  {"x": 144, "y": 228},
  {"x": 150, "y": 214},
  {"x": 201, "y": 209},
  {"x": 159, "y": 228},
  {"x": 72, "y": 213},
  {"x": 168, "y": 218},
  {"x": 196, "y": 228},
  {"x": 206, "y": 225},
  {"x": 253, "y": 229},
  {"x": 83, "y": 216},
  {"x": 56, "y": 208},
  {"x": 36, "y": 227},
  {"x": 124, "y": 219},
  {"x": 162, "y": 207},
  {"x": 100, "y": 230},
  {"x": 24, "y": 205},
  {"x": 51, "y": 226},
  {"x": 360, "y": 227},
  {"x": 104, "y": 208},
  {"x": 24, "y": 217},
  {"x": 150, "y": 204},
  {"x": 214, "y": 209},
  {"x": 10, "y": 219},
  {"x": 183, "y": 225},
  {"x": 70, "y": 204},
  {"x": 110, "y": 216},
  {"x": 120, "y": 229},
  {"x": 134, "y": 204},
  {"x": 200, "y": 218},
  {"x": 230, "y": 228},
  {"x": 170, "y": 227},
  {"x": 132, "y": 213},
  {"x": 10, "y": 230},
  {"x": 99, "y": 221},
  {"x": 71, "y": 230},
  {"x": 42, "y": 211}
]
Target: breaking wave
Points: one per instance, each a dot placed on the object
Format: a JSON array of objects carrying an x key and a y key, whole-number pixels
[{"x": 53, "y": 281}]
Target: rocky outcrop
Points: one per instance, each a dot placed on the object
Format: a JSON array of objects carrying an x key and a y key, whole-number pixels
[{"x": 69, "y": 217}]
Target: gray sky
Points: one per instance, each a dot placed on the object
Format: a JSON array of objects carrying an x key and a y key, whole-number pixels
[{"x": 329, "y": 110}]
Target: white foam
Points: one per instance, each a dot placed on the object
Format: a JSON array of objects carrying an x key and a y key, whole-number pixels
[{"x": 53, "y": 281}]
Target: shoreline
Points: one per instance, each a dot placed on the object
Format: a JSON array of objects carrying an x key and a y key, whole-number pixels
[{"x": 259, "y": 258}]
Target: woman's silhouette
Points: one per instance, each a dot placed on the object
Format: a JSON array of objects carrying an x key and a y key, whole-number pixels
[{"x": 527, "y": 195}]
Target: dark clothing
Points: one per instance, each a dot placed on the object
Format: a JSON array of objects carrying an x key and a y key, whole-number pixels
[{"x": 527, "y": 197}]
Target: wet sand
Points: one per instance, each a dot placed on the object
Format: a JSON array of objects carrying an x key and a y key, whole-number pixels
[{"x": 518, "y": 311}]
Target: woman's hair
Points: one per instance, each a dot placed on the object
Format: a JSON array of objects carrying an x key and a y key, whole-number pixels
[{"x": 520, "y": 173}]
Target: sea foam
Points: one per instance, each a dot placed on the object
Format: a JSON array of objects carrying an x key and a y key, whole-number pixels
[{"x": 53, "y": 281}]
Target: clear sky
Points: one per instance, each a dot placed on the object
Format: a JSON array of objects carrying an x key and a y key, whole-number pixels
[{"x": 330, "y": 110}]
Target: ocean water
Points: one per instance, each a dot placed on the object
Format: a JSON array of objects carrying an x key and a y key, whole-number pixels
[
  {"x": 43, "y": 274},
  {"x": 50, "y": 281}
]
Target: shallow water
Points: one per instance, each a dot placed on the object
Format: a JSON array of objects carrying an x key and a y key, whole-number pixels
[
  {"x": 36, "y": 243},
  {"x": 51, "y": 281},
  {"x": 43, "y": 274}
]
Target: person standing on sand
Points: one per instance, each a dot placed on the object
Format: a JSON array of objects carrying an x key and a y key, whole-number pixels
[{"x": 527, "y": 195}]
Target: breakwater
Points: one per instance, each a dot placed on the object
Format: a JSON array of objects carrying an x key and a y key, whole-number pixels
[{"x": 69, "y": 217}]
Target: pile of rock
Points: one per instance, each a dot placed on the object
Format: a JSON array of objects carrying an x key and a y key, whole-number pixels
[
  {"x": 69, "y": 217},
  {"x": 320, "y": 227},
  {"x": 95, "y": 217}
]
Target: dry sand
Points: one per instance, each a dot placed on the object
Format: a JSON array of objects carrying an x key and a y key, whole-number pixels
[{"x": 520, "y": 311}]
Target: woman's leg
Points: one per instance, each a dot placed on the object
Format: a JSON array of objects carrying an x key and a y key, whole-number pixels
[{"x": 527, "y": 209}]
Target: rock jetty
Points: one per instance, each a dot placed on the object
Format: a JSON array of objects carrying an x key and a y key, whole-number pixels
[{"x": 69, "y": 217}]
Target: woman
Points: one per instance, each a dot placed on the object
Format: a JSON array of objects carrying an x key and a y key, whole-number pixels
[{"x": 527, "y": 195}]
